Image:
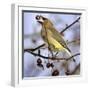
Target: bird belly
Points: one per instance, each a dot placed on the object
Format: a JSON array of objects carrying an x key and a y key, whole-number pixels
[
  {"x": 56, "y": 45},
  {"x": 53, "y": 44}
]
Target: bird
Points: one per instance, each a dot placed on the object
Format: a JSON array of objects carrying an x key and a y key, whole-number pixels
[{"x": 51, "y": 36}]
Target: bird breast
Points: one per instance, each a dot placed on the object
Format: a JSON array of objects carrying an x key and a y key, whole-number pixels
[{"x": 43, "y": 34}]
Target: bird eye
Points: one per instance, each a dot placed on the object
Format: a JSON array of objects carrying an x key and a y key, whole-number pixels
[
  {"x": 44, "y": 18},
  {"x": 37, "y": 17}
]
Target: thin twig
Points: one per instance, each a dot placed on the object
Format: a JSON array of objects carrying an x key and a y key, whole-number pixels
[
  {"x": 74, "y": 41},
  {"x": 52, "y": 58},
  {"x": 72, "y": 73},
  {"x": 73, "y": 56},
  {"x": 70, "y": 25},
  {"x": 34, "y": 49},
  {"x": 77, "y": 67}
]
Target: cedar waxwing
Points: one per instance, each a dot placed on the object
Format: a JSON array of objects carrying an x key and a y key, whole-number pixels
[{"x": 51, "y": 36}]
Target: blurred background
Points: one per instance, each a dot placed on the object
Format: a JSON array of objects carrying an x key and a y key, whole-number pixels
[{"x": 32, "y": 39}]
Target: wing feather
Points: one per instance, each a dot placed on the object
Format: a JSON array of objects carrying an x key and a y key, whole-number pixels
[{"x": 56, "y": 35}]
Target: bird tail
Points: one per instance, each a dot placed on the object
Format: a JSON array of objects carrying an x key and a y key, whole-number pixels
[{"x": 69, "y": 53}]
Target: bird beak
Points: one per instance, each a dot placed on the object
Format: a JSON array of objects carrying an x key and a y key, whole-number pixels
[{"x": 40, "y": 22}]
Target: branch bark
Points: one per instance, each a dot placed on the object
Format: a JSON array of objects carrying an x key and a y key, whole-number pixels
[
  {"x": 70, "y": 25},
  {"x": 52, "y": 58}
]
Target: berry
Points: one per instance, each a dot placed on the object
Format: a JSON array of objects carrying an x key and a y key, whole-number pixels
[
  {"x": 39, "y": 61},
  {"x": 55, "y": 73},
  {"x": 48, "y": 65}
]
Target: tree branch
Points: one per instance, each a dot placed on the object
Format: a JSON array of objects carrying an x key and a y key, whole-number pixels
[
  {"x": 70, "y": 25},
  {"x": 34, "y": 49},
  {"x": 52, "y": 58},
  {"x": 73, "y": 56}
]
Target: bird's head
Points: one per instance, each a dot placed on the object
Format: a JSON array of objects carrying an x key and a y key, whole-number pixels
[{"x": 43, "y": 20}]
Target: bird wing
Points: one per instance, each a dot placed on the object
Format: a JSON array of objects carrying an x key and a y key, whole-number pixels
[{"x": 56, "y": 35}]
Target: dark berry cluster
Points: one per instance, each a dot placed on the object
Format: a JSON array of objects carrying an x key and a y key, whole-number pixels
[
  {"x": 48, "y": 65},
  {"x": 39, "y": 63}
]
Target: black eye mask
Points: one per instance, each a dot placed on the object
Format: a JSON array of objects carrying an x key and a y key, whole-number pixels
[
  {"x": 44, "y": 18},
  {"x": 37, "y": 17}
]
